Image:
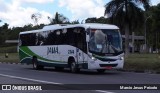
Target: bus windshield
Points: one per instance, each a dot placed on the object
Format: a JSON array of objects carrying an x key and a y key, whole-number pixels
[{"x": 105, "y": 41}]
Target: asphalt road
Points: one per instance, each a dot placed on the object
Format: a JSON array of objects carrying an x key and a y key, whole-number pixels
[{"x": 24, "y": 74}]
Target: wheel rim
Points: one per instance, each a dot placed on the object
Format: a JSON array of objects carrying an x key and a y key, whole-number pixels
[
  {"x": 73, "y": 66},
  {"x": 34, "y": 64}
]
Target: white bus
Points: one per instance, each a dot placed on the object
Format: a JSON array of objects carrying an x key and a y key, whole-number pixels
[{"x": 78, "y": 46}]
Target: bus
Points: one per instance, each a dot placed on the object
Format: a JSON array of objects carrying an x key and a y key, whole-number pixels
[{"x": 78, "y": 46}]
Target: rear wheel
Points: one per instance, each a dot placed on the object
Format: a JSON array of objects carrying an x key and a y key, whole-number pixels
[
  {"x": 101, "y": 70},
  {"x": 35, "y": 64}
]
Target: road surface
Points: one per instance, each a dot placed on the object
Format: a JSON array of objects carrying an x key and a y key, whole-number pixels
[{"x": 24, "y": 74}]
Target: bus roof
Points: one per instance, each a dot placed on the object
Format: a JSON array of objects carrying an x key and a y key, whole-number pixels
[
  {"x": 87, "y": 25},
  {"x": 62, "y": 26}
]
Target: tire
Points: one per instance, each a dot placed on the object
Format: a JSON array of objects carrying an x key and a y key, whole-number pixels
[
  {"x": 73, "y": 67},
  {"x": 35, "y": 64},
  {"x": 101, "y": 70}
]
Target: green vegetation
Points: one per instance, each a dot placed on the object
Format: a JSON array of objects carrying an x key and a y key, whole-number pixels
[
  {"x": 142, "y": 62},
  {"x": 11, "y": 51},
  {"x": 12, "y": 57}
]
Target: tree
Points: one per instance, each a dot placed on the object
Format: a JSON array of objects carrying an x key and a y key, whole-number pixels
[
  {"x": 58, "y": 19},
  {"x": 4, "y": 32},
  {"x": 35, "y": 17},
  {"x": 127, "y": 14},
  {"x": 97, "y": 20},
  {"x": 152, "y": 27},
  {"x": 91, "y": 20},
  {"x": 74, "y": 22}
]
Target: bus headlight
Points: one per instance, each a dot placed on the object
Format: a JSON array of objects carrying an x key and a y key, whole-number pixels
[
  {"x": 121, "y": 58},
  {"x": 93, "y": 58}
]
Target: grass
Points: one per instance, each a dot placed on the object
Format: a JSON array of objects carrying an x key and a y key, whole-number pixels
[
  {"x": 143, "y": 62},
  {"x": 12, "y": 57}
]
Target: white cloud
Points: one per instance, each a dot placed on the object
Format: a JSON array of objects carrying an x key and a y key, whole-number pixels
[
  {"x": 155, "y": 2},
  {"x": 16, "y": 15},
  {"x": 82, "y": 9},
  {"x": 2, "y": 6},
  {"x": 35, "y": 1}
]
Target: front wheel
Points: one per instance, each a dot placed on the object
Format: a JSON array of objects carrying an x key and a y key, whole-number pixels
[{"x": 73, "y": 67}]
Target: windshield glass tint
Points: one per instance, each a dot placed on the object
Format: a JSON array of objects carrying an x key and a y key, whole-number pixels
[{"x": 105, "y": 41}]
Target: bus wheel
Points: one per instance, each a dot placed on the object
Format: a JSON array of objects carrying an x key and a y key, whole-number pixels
[
  {"x": 35, "y": 64},
  {"x": 101, "y": 70},
  {"x": 73, "y": 67}
]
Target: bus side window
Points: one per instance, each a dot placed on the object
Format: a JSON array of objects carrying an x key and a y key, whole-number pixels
[
  {"x": 32, "y": 40},
  {"x": 40, "y": 38},
  {"x": 70, "y": 38},
  {"x": 22, "y": 40},
  {"x": 81, "y": 39},
  {"x": 25, "y": 39},
  {"x": 77, "y": 37},
  {"x": 50, "y": 38}
]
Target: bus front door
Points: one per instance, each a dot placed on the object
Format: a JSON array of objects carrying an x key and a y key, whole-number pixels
[{"x": 80, "y": 57}]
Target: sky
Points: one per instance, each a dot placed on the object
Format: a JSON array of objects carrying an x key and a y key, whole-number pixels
[{"x": 18, "y": 13}]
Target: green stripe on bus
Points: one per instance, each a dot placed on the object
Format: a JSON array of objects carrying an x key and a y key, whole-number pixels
[
  {"x": 22, "y": 54},
  {"x": 31, "y": 54}
]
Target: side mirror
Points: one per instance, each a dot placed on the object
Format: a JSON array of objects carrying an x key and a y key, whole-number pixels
[{"x": 87, "y": 38}]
